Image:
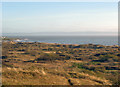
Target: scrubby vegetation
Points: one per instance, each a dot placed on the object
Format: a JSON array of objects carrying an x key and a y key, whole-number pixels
[{"x": 33, "y": 63}]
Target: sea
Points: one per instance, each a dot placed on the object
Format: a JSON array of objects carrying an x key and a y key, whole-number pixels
[{"x": 99, "y": 40}]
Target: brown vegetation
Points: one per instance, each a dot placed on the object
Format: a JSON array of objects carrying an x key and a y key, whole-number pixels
[{"x": 26, "y": 63}]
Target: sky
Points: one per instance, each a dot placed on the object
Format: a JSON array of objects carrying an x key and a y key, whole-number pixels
[{"x": 37, "y": 17}]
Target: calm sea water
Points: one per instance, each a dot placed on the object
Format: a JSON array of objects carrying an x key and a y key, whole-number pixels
[{"x": 103, "y": 40}]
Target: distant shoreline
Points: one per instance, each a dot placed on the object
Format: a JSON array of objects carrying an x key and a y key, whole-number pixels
[
  {"x": 89, "y": 44},
  {"x": 63, "y": 40}
]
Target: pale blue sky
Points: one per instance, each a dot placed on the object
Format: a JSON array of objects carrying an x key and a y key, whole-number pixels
[{"x": 60, "y": 17}]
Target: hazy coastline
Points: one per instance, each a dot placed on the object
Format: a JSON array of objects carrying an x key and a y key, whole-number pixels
[{"x": 102, "y": 40}]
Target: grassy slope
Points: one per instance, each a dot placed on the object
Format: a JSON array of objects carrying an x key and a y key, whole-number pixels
[{"x": 43, "y": 64}]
